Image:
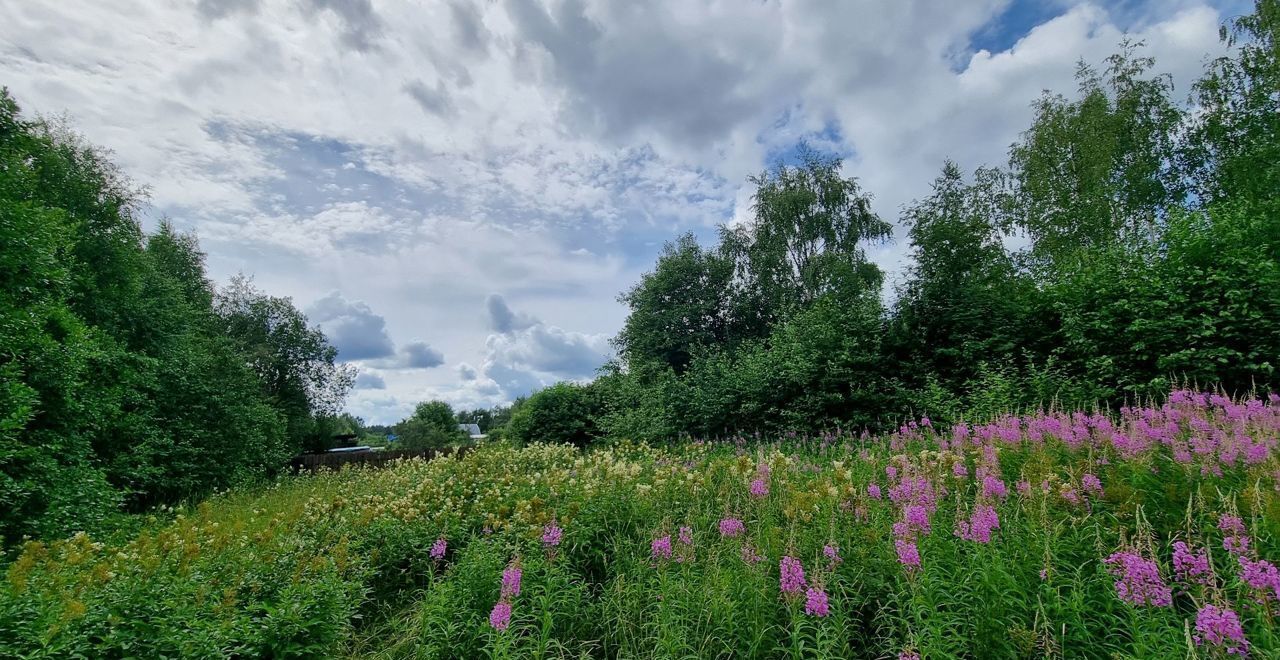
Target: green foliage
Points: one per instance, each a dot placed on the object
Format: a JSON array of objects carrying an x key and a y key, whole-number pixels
[
  {"x": 564, "y": 412},
  {"x": 1097, "y": 169},
  {"x": 682, "y": 307},
  {"x": 432, "y": 425},
  {"x": 120, "y": 387}
]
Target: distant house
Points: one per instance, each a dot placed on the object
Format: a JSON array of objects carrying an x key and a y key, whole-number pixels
[{"x": 472, "y": 430}]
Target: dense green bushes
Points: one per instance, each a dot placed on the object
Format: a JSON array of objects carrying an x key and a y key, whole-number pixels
[{"x": 126, "y": 380}]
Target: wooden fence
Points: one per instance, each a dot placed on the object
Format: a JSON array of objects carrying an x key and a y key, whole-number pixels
[{"x": 334, "y": 461}]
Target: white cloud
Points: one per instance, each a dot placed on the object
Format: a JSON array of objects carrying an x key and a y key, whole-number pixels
[{"x": 419, "y": 156}]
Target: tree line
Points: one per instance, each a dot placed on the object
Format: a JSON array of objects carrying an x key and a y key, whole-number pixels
[
  {"x": 1146, "y": 253},
  {"x": 127, "y": 380}
]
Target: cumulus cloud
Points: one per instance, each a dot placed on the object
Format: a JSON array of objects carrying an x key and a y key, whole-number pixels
[
  {"x": 524, "y": 354},
  {"x": 352, "y": 327},
  {"x": 419, "y": 156},
  {"x": 369, "y": 380},
  {"x": 502, "y": 319},
  {"x": 420, "y": 355}
]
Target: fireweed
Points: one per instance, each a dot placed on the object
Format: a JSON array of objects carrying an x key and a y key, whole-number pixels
[{"x": 1023, "y": 529}]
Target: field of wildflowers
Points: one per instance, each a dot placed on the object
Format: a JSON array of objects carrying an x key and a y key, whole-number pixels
[{"x": 1148, "y": 533}]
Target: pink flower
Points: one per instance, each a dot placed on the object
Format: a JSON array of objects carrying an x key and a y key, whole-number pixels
[
  {"x": 1191, "y": 567},
  {"x": 1140, "y": 582},
  {"x": 1220, "y": 627},
  {"x": 873, "y": 491},
  {"x": 731, "y": 527},
  {"x": 791, "y": 579},
  {"x": 980, "y": 524},
  {"x": 908, "y": 554},
  {"x": 1231, "y": 524},
  {"x": 749, "y": 555},
  {"x": 815, "y": 602},
  {"x": 759, "y": 488},
  {"x": 1091, "y": 484},
  {"x": 686, "y": 535},
  {"x": 908, "y": 655},
  {"x": 500, "y": 617},
  {"x": 1024, "y": 487},
  {"x": 660, "y": 548},
  {"x": 960, "y": 470},
  {"x": 1261, "y": 575},
  {"x": 994, "y": 488},
  {"x": 551, "y": 535},
  {"x": 511, "y": 582},
  {"x": 832, "y": 553},
  {"x": 438, "y": 548}
]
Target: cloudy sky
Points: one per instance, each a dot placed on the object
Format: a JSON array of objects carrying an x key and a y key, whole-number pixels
[{"x": 456, "y": 191}]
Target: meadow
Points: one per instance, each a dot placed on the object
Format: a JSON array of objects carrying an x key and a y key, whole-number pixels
[{"x": 1148, "y": 533}]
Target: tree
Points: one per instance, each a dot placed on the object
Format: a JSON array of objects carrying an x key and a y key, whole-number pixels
[
  {"x": 683, "y": 306},
  {"x": 964, "y": 301},
  {"x": 564, "y": 412},
  {"x": 431, "y": 426},
  {"x": 293, "y": 360},
  {"x": 1097, "y": 169},
  {"x": 804, "y": 241},
  {"x": 1232, "y": 152}
]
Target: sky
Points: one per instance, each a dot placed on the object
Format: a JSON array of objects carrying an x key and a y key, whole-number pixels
[{"x": 457, "y": 191}]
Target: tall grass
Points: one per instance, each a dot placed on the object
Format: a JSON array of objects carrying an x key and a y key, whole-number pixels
[{"x": 1035, "y": 535}]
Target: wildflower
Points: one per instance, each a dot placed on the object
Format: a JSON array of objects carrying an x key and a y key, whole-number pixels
[
  {"x": 791, "y": 580},
  {"x": 1044, "y": 574},
  {"x": 873, "y": 490},
  {"x": 731, "y": 527},
  {"x": 994, "y": 488},
  {"x": 438, "y": 548},
  {"x": 1191, "y": 567},
  {"x": 960, "y": 470},
  {"x": 1024, "y": 487},
  {"x": 908, "y": 554},
  {"x": 551, "y": 535},
  {"x": 815, "y": 602},
  {"x": 686, "y": 535},
  {"x": 1260, "y": 574},
  {"x": 759, "y": 488},
  {"x": 750, "y": 556},
  {"x": 660, "y": 548},
  {"x": 980, "y": 524},
  {"x": 500, "y": 617},
  {"x": 1236, "y": 540},
  {"x": 832, "y": 552},
  {"x": 1236, "y": 545},
  {"x": 511, "y": 581},
  {"x": 1140, "y": 582},
  {"x": 1232, "y": 524},
  {"x": 1091, "y": 484},
  {"x": 1220, "y": 627},
  {"x": 908, "y": 655}
]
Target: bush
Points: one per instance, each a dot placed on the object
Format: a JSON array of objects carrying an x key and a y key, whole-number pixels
[{"x": 564, "y": 412}]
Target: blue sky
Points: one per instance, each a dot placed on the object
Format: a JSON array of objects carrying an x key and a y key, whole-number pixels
[{"x": 458, "y": 191}]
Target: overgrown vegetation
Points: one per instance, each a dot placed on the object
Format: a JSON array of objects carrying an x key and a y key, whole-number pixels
[
  {"x": 1055, "y": 534},
  {"x": 978, "y": 465},
  {"x": 126, "y": 379}
]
